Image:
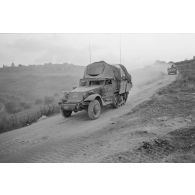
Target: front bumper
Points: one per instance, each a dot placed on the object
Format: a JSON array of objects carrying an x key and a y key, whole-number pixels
[
  {"x": 172, "y": 73},
  {"x": 73, "y": 106}
]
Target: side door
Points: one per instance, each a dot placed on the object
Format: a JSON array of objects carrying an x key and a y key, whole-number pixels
[
  {"x": 123, "y": 85},
  {"x": 108, "y": 90}
]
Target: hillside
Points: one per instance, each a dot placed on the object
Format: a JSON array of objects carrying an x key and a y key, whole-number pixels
[
  {"x": 30, "y": 92},
  {"x": 38, "y": 81},
  {"x": 161, "y": 129},
  {"x": 28, "y": 84}
]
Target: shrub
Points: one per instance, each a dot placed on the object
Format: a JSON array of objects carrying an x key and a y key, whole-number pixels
[
  {"x": 56, "y": 95},
  {"x": 38, "y": 101},
  {"x": 12, "y": 107},
  {"x": 25, "y": 105},
  {"x": 48, "y": 100},
  {"x": 25, "y": 118}
]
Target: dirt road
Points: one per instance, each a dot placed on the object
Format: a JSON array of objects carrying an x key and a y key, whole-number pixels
[{"x": 56, "y": 139}]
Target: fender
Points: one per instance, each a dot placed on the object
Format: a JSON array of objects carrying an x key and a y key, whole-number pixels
[{"x": 93, "y": 97}]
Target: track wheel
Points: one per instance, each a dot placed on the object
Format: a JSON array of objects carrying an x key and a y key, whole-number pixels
[{"x": 116, "y": 102}]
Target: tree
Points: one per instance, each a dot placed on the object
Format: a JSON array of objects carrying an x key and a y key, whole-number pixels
[{"x": 12, "y": 64}]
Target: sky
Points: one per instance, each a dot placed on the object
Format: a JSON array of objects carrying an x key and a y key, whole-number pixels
[{"x": 137, "y": 50}]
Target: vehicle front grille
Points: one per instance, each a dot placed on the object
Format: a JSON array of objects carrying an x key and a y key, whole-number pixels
[{"x": 75, "y": 97}]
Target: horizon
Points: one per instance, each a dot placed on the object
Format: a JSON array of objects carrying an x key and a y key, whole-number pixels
[
  {"x": 13, "y": 65},
  {"x": 137, "y": 50}
]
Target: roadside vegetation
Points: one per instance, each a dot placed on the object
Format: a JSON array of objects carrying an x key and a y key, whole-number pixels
[
  {"x": 28, "y": 93},
  {"x": 17, "y": 115}
]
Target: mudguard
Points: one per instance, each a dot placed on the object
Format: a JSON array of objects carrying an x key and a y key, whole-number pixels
[{"x": 93, "y": 97}]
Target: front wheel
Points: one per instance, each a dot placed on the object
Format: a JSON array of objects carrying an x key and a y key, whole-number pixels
[
  {"x": 66, "y": 113},
  {"x": 94, "y": 109}
]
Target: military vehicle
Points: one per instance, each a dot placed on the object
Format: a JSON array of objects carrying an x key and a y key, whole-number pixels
[
  {"x": 102, "y": 84},
  {"x": 172, "y": 70}
]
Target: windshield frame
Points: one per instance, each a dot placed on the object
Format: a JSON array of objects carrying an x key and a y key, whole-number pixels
[
  {"x": 87, "y": 82},
  {"x": 99, "y": 82}
]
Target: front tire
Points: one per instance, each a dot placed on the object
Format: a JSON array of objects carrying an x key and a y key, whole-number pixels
[
  {"x": 94, "y": 109},
  {"x": 66, "y": 113}
]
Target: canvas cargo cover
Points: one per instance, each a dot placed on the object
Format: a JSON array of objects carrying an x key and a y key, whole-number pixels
[
  {"x": 102, "y": 70},
  {"x": 124, "y": 72}
]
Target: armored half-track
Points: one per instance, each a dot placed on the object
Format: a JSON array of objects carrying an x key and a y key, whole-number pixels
[
  {"x": 102, "y": 84},
  {"x": 172, "y": 70}
]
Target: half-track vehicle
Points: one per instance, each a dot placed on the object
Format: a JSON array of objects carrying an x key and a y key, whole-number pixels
[
  {"x": 102, "y": 84},
  {"x": 172, "y": 70}
]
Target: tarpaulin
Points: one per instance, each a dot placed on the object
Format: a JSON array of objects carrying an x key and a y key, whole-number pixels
[{"x": 102, "y": 70}]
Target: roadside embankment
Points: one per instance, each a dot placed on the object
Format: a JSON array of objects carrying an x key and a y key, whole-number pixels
[{"x": 162, "y": 128}]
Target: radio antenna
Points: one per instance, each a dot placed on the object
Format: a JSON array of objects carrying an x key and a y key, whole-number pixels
[
  {"x": 120, "y": 49},
  {"x": 90, "y": 52}
]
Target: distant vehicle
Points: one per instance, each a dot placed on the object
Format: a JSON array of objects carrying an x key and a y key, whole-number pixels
[
  {"x": 102, "y": 84},
  {"x": 172, "y": 70}
]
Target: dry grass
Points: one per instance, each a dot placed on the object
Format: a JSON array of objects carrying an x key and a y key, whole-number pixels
[{"x": 25, "y": 118}]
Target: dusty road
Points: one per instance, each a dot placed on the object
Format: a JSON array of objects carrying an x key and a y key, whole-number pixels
[{"x": 56, "y": 139}]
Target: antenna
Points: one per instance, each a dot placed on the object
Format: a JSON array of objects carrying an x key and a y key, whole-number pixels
[
  {"x": 90, "y": 52},
  {"x": 120, "y": 48}
]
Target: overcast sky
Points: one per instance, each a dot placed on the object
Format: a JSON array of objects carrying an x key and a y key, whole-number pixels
[{"x": 137, "y": 50}]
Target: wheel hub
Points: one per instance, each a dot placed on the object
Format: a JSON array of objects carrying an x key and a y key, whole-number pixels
[{"x": 96, "y": 109}]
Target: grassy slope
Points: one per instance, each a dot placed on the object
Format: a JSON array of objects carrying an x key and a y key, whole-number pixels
[
  {"x": 36, "y": 82},
  {"x": 22, "y": 87},
  {"x": 163, "y": 128}
]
